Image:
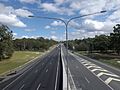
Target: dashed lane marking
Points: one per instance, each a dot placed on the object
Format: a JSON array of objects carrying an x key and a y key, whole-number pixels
[{"x": 38, "y": 86}]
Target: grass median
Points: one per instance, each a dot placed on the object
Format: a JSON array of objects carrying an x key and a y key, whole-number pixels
[
  {"x": 18, "y": 58},
  {"x": 113, "y": 60}
]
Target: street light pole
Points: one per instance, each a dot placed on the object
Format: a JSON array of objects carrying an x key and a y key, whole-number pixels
[{"x": 66, "y": 29}]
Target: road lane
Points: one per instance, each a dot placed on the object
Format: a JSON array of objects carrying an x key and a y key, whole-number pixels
[
  {"x": 41, "y": 76},
  {"x": 83, "y": 78}
]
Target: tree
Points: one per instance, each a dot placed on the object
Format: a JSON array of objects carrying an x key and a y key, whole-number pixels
[
  {"x": 101, "y": 43},
  {"x": 115, "y": 38},
  {"x": 6, "y": 44}
]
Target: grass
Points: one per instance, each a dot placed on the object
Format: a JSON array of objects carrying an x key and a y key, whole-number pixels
[
  {"x": 18, "y": 58},
  {"x": 112, "y": 60}
]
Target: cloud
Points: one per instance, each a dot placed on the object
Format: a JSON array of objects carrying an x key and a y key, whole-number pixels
[
  {"x": 15, "y": 34},
  {"x": 54, "y": 37},
  {"x": 29, "y": 1},
  {"x": 25, "y": 36},
  {"x": 47, "y": 27},
  {"x": 8, "y": 16},
  {"x": 50, "y": 7},
  {"x": 59, "y": 2},
  {"x": 75, "y": 5},
  {"x": 57, "y": 23},
  {"x": 11, "y": 20},
  {"x": 94, "y": 25},
  {"x": 23, "y": 13},
  {"x": 29, "y": 30},
  {"x": 115, "y": 15}
]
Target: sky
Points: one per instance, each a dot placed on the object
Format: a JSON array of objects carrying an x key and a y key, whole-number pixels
[{"x": 14, "y": 13}]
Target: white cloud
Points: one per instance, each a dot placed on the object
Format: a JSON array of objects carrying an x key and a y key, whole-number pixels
[
  {"x": 47, "y": 27},
  {"x": 15, "y": 34},
  {"x": 8, "y": 16},
  {"x": 91, "y": 6},
  {"x": 115, "y": 15},
  {"x": 29, "y": 30},
  {"x": 92, "y": 24},
  {"x": 25, "y": 36},
  {"x": 57, "y": 23},
  {"x": 29, "y": 1},
  {"x": 54, "y": 37},
  {"x": 50, "y": 7},
  {"x": 59, "y": 1},
  {"x": 23, "y": 13},
  {"x": 75, "y": 5},
  {"x": 11, "y": 20}
]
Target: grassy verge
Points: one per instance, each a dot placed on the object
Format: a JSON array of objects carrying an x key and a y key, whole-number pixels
[
  {"x": 105, "y": 58},
  {"x": 18, "y": 58}
]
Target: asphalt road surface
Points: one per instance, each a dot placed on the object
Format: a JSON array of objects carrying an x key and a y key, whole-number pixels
[
  {"x": 87, "y": 74},
  {"x": 44, "y": 74}
]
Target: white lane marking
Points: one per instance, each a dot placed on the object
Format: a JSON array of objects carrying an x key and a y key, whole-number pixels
[
  {"x": 17, "y": 78},
  {"x": 38, "y": 86},
  {"x": 110, "y": 79},
  {"x": 87, "y": 80},
  {"x": 57, "y": 74},
  {"x": 95, "y": 74},
  {"x": 99, "y": 69},
  {"x": 93, "y": 67},
  {"x": 22, "y": 87},
  {"x": 74, "y": 87},
  {"x": 83, "y": 62},
  {"x": 46, "y": 70},
  {"x": 64, "y": 73},
  {"x": 86, "y": 64},
  {"x": 108, "y": 74},
  {"x": 89, "y": 67}
]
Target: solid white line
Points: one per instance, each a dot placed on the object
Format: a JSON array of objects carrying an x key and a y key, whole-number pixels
[
  {"x": 69, "y": 73},
  {"x": 22, "y": 87},
  {"x": 57, "y": 75},
  {"x": 72, "y": 80},
  {"x": 64, "y": 73},
  {"x": 38, "y": 86}
]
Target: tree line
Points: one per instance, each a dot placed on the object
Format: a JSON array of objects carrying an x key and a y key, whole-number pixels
[
  {"x": 102, "y": 43},
  {"x": 31, "y": 44},
  {"x": 8, "y": 44}
]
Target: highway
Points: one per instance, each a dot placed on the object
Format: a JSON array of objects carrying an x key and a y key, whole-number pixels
[
  {"x": 44, "y": 74},
  {"x": 87, "y": 74}
]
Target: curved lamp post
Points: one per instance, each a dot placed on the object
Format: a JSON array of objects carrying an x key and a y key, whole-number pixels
[{"x": 66, "y": 23}]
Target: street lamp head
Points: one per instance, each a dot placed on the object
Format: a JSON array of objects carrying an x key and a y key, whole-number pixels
[
  {"x": 30, "y": 16},
  {"x": 103, "y": 11}
]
